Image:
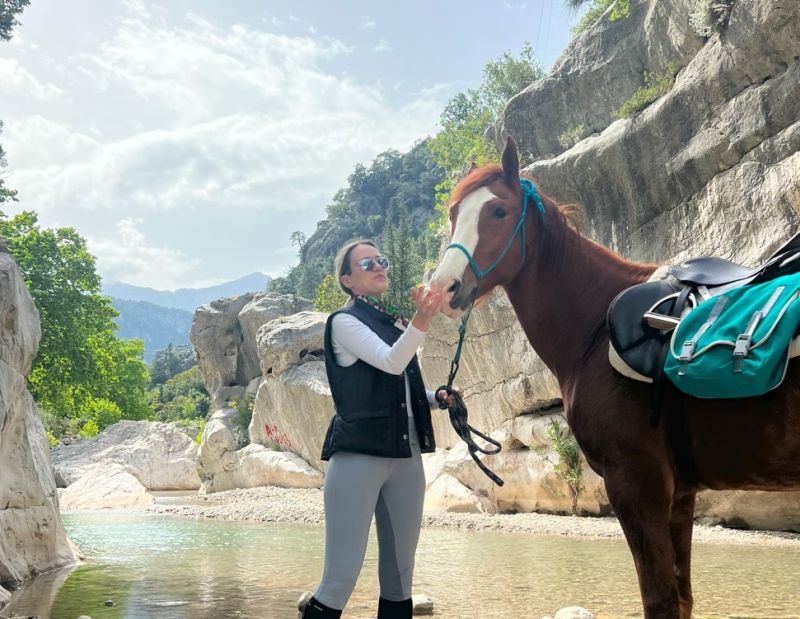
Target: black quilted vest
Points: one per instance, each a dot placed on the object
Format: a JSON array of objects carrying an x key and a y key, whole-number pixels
[{"x": 371, "y": 416}]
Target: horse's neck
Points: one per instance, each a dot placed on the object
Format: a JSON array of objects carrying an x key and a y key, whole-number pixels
[{"x": 562, "y": 303}]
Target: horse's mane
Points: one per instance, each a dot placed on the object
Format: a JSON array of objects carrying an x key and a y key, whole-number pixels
[
  {"x": 485, "y": 175},
  {"x": 567, "y": 214}
]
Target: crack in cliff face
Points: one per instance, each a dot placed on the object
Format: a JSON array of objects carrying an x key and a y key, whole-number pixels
[{"x": 707, "y": 188}]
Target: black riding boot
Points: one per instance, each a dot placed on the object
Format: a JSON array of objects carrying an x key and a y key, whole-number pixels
[
  {"x": 317, "y": 610},
  {"x": 395, "y": 610}
]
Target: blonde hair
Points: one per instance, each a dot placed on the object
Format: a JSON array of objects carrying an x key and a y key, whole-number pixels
[{"x": 342, "y": 262}]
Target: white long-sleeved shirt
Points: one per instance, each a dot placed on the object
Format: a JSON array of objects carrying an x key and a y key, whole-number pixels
[{"x": 353, "y": 340}]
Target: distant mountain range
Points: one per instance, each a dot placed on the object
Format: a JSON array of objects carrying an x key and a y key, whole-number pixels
[
  {"x": 188, "y": 299},
  {"x": 158, "y": 326},
  {"x": 161, "y": 317}
]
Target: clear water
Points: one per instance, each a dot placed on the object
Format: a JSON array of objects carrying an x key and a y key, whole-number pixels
[{"x": 166, "y": 567}]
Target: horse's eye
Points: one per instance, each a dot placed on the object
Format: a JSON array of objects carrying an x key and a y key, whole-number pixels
[{"x": 499, "y": 213}]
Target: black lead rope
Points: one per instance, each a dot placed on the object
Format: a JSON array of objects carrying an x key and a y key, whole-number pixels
[{"x": 458, "y": 411}]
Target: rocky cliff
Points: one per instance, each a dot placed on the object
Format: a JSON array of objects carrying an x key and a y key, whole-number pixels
[
  {"x": 712, "y": 167},
  {"x": 32, "y": 538}
]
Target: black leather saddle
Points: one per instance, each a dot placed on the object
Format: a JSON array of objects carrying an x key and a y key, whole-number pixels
[
  {"x": 641, "y": 318},
  {"x": 712, "y": 271}
]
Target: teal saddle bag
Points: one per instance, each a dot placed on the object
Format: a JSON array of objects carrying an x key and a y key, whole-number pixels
[{"x": 736, "y": 344}]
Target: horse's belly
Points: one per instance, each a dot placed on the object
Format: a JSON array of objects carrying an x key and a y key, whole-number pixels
[{"x": 751, "y": 443}]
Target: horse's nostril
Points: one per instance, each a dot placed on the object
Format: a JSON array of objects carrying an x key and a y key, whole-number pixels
[{"x": 454, "y": 288}]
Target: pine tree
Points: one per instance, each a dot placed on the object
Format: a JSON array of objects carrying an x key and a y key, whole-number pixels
[{"x": 406, "y": 271}]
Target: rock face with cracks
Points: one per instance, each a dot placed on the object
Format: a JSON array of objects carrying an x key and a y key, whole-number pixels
[{"x": 32, "y": 538}]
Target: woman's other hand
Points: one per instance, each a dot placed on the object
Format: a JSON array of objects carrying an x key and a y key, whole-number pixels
[{"x": 428, "y": 303}]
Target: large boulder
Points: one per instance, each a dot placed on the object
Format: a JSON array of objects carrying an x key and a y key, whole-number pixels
[
  {"x": 291, "y": 340},
  {"x": 292, "y": 411},
  {"x": 224, "y": 335},
  {"x": 256, "y": 465},
  {"x": 105, "y": 486},
  {"x": 217, "y": 338},
  {"x": 527, "y": 463},
  {"x": 158, "y": 455},
  {"x": 262, "y": 309},
  {"x": 32, "y": 538}
]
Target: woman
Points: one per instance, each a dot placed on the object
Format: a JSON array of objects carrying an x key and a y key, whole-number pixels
[{"x": 375, "y": 440}]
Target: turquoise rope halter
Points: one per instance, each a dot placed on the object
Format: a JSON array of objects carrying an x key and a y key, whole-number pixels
[
  {"x": 458, "y": 411},
  {"x": 529, "y": 192}
]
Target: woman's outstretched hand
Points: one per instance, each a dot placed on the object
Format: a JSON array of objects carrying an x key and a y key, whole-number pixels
[{"x": 428, "y": 303}]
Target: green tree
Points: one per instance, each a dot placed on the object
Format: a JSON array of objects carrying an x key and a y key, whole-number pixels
[
  {"x": 80, "y": 360},
  {"x": 298, "y": 239},
  {"x": 406, "y": 270},
  {"x": 182, "y": 397},
  {"x": 170, "y": 361},
  {"x": 622, "y": 9},
  {"x": 360, "y": 210},
  {"x": 9, "y": 10},
  {"x": 330, "y": 296},
  {"x": 469, "y": 114}
]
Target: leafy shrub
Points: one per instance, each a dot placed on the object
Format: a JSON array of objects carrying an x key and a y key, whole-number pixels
[
  {"x": 621, "y": 10},
  {"x": 330, "y": 296},
  {"x": 89, "y": 429},
  {"x": 199, "y": 438},
  {"x": 244, "y": 415},
  {"x": 102, "y": 412},
  {"x": 568, "y": 466},
  {"x": 656, "y": 85}
]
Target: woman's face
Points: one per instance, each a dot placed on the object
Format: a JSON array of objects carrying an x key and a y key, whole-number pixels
[{"x": 362, "y": 282}]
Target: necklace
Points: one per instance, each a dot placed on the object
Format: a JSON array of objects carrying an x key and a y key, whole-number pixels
[{"x": 390, "y": 310}]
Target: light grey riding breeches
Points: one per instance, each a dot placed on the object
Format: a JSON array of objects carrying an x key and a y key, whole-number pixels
[{"x": 356, "y": 487}]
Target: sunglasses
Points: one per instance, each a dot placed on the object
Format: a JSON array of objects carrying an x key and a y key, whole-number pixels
[{"x": 368, "y": 264}]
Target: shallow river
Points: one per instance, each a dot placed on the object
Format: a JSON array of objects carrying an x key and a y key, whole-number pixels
[{"x": 167, "y": 567}]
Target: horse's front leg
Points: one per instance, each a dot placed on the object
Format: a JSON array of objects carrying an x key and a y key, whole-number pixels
[
  {"x": 641, "y": 494},
  {"x": 681, "y": 525}
]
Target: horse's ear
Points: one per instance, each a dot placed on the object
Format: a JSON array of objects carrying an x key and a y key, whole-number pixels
[
  {"x": 472, "y": 167},
  {"x": 511, "y": 162}
]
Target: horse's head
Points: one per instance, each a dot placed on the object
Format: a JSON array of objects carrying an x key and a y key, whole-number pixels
[{"x": 488, "y": 210}]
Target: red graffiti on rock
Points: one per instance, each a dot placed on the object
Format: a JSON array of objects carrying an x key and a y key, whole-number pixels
[{"x": 276, "y": 436}]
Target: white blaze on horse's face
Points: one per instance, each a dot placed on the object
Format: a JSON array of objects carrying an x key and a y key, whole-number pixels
[{"x": 452, "y": 267}]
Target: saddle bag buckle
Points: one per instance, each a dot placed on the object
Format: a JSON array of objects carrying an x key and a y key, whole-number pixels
[
  {"x": 745, "y": 340},
  {"x": 686, "y": 356}
]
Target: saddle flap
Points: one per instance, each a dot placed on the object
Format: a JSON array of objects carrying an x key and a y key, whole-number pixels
[{"x": 631, "y": 337}]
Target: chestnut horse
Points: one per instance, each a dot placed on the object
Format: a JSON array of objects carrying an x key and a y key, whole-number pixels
[{"x": 561, "y": 284}]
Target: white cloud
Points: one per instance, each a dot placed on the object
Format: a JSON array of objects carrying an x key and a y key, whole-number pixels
[
  {"x": 38, "y": 142},
  {"x": 367, "y": 22},
  {"x": 383, "y": 46},
  {"x": 125, "y": 255},
  {"x": 199, "y": 119},
  {"x": 16, "y": 80}
]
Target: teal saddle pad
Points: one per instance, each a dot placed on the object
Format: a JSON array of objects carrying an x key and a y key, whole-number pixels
[{"x": 736, "y": 344}]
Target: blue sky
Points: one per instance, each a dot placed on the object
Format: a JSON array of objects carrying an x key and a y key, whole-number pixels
[{"x": 186, "y": 140}]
